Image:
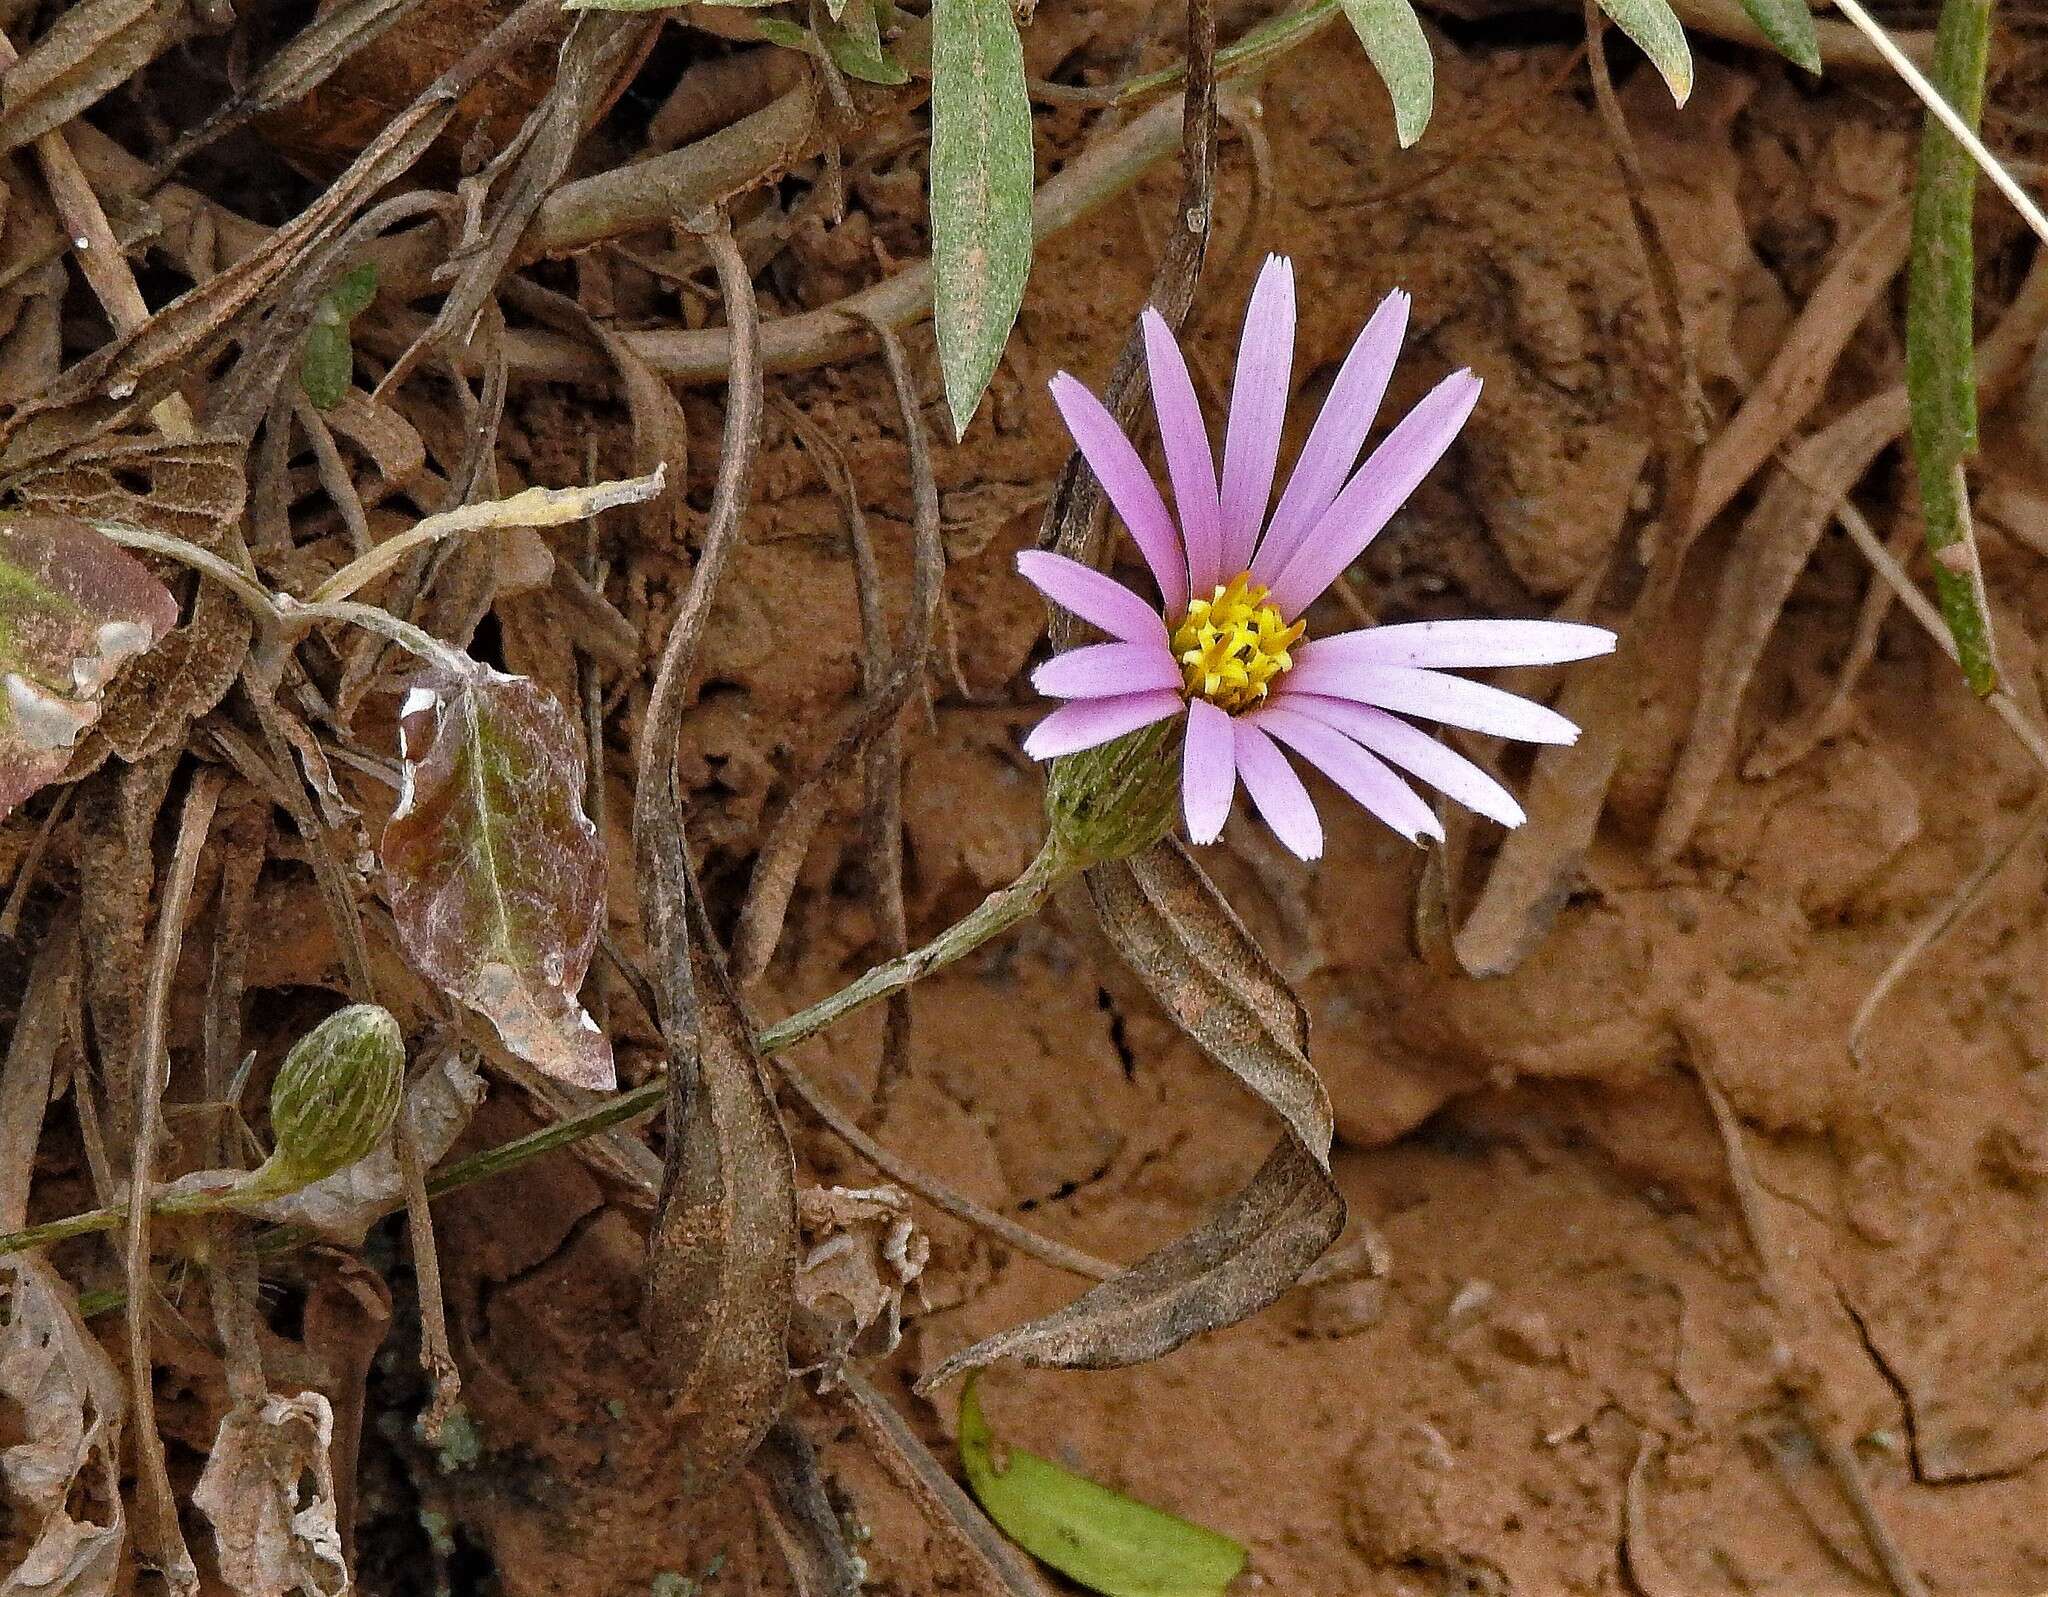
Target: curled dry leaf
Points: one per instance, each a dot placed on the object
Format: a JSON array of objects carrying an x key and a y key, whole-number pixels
[
  {"x": 861, "y": 1250},
  {"x": 1176, "y": 932},
  {"x": 495, "y": 874},
  {"x": 74, "y": 609},
  {"x": 268, "y": 1490},
  {"x": 63, "y": 1477},
  {"x": 194, "y": 491},
  {"x": 722, "y": 1252}
]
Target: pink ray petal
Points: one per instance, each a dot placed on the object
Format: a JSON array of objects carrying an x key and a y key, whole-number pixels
[
  {"x": 1087, "y": 722},
  {"x": 1435, "y": 697},
  {"x": 1442, "y": 645},
  {"x": 1189, "y": 463},
  {"x": 1357, "y": 772},
  {"x": 1258, "y": 413},
  {"x": 1336, "y": 438},
  {"x": 1099, "y": 600},
  {"x": 1208, "y": 771},
  {"x": 1276, "y": 790},
  {"x": 1414, "y": 750},
  {"x": 1107, "y": 671},
  {"x": 1129, "y": 486},
  {"x": 1380, "y": 487}
]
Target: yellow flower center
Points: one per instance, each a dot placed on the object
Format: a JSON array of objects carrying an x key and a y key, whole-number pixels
[{"x": 1233, "y": 644}]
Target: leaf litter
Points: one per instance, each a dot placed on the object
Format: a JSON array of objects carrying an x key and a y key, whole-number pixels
[{"x": 747, "y": 1244}]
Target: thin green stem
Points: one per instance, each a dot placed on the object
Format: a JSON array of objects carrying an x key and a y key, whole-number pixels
[{"x": 995, "y": 914}]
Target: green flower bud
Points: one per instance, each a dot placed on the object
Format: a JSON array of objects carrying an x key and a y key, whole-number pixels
[
  {"x": 1116, "y": 799},
  {"x": 336, "y": 1095}
]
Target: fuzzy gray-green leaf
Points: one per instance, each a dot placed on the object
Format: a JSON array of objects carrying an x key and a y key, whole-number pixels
[
  {"x": 1658, "y": 34},
  {"x": 981, "y": 185},
  {"x": 1394, "y": 42},
  {"x": 1788, "y": 24}
]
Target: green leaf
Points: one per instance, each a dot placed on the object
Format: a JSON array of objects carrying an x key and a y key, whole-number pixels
[
  {"x": 1393, "y": 40},
  {"x": 854, "y": 41},
  {"x": 1941, "y": 367},
  {"x": 1108, "y": 1542},
  {"x": 982, "y": 175},
  {"x": 786, "y": 34},
  {"x": 74, "y": 609},
  {"x": 494, "y": 874},
  {"x": 327, "y": 365},
  {"x": 1788, "y": 24},
  {"x": 1657, "y": 33},
  {"x": 358, "y": 286}
]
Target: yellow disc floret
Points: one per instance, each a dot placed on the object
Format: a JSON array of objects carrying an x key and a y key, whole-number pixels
[{"x": 1233, "y": 644}]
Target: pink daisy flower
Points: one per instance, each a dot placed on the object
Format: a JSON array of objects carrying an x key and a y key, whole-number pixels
[{"x": 1227, "y": 646}]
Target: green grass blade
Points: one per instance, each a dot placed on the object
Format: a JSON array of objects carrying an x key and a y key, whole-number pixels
[
  {"x": 1941, "y": 373},
  {"x": 982, "y": 177},
  {"x": 1655, "y": 28},
  {"x": 1394, "y": 41}
]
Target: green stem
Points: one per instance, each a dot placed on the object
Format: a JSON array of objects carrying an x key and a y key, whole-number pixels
[
  {"x": 81, "y": 1225},
  {"x": 1941, "y": 372},
  {"x": 995, "y": 914}
]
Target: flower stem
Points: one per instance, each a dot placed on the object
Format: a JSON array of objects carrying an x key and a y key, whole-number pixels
[{"x": 995, "y": 914}]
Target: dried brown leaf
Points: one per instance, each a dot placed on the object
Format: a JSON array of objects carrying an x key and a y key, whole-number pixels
[
  {"x": 268, "y": 1489},
  {"x": 1778, "y": 538},
  {"x": 92, "y": 49},
  {"x": 74, "y": 610},
  {"x": 600, "y": 46},
  {"x": 1235, "y": 1263},
  {"x": 723, "y": 1248},
  {"x": 495, "y": 874},
  {"x": 194, "y": 491},
  {"x": 861, "y": 1251},
  {"x": 138, "y": 369},
  {"x": 63, "y": 1478},
  {"x": 1193, "y": 954},
  {"x": 1172, "y": 927}
]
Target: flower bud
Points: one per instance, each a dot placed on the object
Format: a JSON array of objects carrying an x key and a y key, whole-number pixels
[
  {"x": 336, "y": 1095},
  {"x": 1118, "y": 798}
]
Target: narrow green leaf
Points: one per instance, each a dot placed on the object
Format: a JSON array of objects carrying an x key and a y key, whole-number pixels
[
  {"x": 982, "y": 176},
  {"x": 853, "y": 39},
  {"x": 1657, "y": 33},
  {"x": 1108, "y": 1542},
  {"x": 1400, "y": 54},
  {"x": 1788, "y": 24},
  {"x": 1941, "y": 370},
  {"x": 786, "y": 34}
]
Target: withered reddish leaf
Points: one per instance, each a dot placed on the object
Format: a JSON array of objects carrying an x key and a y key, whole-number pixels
[
  {"x": 495, "y": 874},
  {"x": 194, "y": 491},
  {"x": 74, "y": 609},
  {"x": 1194, "y": 956}
]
